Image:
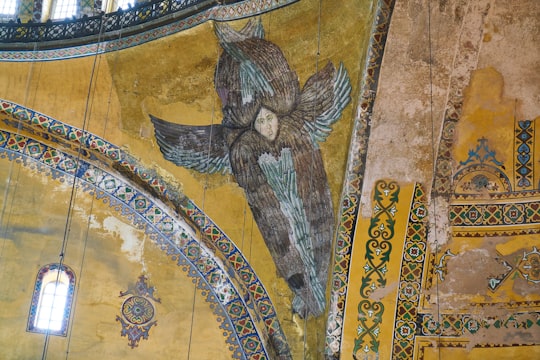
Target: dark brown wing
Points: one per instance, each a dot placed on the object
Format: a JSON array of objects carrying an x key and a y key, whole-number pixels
[
  {"x": 323, "y": 99},
  {"x": 200, "y": 148},
  {"x": 287, "y": 191}
]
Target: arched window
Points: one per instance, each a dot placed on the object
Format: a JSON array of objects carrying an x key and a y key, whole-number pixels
[
  {"x": 124, "y": 4},
  {"x": 52, "y": 300},
  {"x": 8, "y": 8},
  {"x": 64, "y": 9}
]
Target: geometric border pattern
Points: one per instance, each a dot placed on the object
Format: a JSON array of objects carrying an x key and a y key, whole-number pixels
[
  {"x": 455, "y": 344},
  {"x": 458, "y": 325},
  {"x": 248, "y": 306},
  {"x": 352, "y": 190},
  {"x": 410, "y": 278},
  {"x": 524, "y": 144},
  {"x": 507, "y": 214},
  {"x": 218, "y": 13}
]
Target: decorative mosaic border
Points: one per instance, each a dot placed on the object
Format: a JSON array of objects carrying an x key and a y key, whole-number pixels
[
  {"x": 378, "y": 249},
  {"x": 524, "y": 159},
  {"x": 493, "y": 215},
  {"x": 495, "y": 219},
  {"x": 510, "y": 196},
  {"x": 352, "y": 190},
  {"x": 413, "y": 324},
  {"x": 459, "y": 325},
  {"x": 414, "y": 253},
  {"x": 428, "y": 343},
  {"x": 141, "y": 209},
  {"x": 218, "y": 13}
]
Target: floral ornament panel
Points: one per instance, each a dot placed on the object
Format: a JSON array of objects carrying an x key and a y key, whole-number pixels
[{"x": 138, "y": 312}]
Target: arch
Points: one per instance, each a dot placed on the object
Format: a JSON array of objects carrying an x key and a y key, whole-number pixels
[
  {"x": 481, "y": 179},
  {"x": 173, "y": 222}
]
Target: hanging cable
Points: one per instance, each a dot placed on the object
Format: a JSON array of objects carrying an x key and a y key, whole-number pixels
[
  {"x": 104, "y": 132},
  {"x": 312, "y": 164},
  {"x": 203, "y": 204},
  {"x": 69, "y": 217},
  {"x": 434, "y": 165},
  {"x": 4, "y": 226},
  {"x": 251, "y": 238},
  {"x": 244, "y": 214}
]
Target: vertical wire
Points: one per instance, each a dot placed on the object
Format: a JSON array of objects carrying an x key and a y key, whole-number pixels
[
  {"x": 433, "y": 155},
  {"x": 313, "y": 150},
  {"x": 69, "y": 217},
  {"x": 251, "y": 238},
  {"x": 11, "y": 164},
  {"x": 244, "y": 226},
  {"x": 203, "y": 204},
  {"x": 19, "y": 129},
  {"x": 104, "y": 131}
]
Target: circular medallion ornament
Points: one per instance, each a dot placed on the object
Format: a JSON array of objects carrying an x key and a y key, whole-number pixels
[{"x": 137, "y": 310}]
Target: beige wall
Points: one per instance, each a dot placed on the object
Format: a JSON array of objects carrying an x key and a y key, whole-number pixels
[{"x": 107, "y": 254}]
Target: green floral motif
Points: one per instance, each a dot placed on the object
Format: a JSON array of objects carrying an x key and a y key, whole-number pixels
[{"x": 378, "y": 249}]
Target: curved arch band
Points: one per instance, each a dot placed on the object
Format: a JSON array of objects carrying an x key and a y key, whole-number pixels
[{"x": 188, "y": 237}]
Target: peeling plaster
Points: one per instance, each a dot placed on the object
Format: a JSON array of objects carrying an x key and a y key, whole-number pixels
[
  {"x": 468, "y": 273},
  {"x": 132, "y": 245},
  {"x": 504, "y": 336}
]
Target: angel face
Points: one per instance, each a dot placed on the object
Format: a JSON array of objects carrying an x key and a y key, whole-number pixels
[{"x": 266, "y": 124}]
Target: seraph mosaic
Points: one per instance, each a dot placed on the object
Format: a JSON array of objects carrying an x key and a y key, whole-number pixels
[{"x": 269, "y": 141}]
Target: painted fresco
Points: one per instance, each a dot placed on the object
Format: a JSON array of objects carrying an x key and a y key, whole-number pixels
[
  {"x": 459, "y": 282},
  {"x": 268, "y": 140},
  {"x": 247, "y": 318}
]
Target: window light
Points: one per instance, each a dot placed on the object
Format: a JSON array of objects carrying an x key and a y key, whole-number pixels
[
  {"x": 8, "y": 7},
  {"x": 64, "y": 9},
  {"x": 50, "y": 311},
  {"x": 52, "y": 300},
  {"x": 125, "y": 4}
]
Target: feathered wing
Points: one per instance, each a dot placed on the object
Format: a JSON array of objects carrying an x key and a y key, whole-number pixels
[
  {"x": 323, "y": 99},
  {"x": 281, "y": 176},
  {"x": 252, "y": 80},
  {"x": 278, "y": 193},
  {"x": 253, "y": 29},
  {"x": 201, "y": 148}
]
